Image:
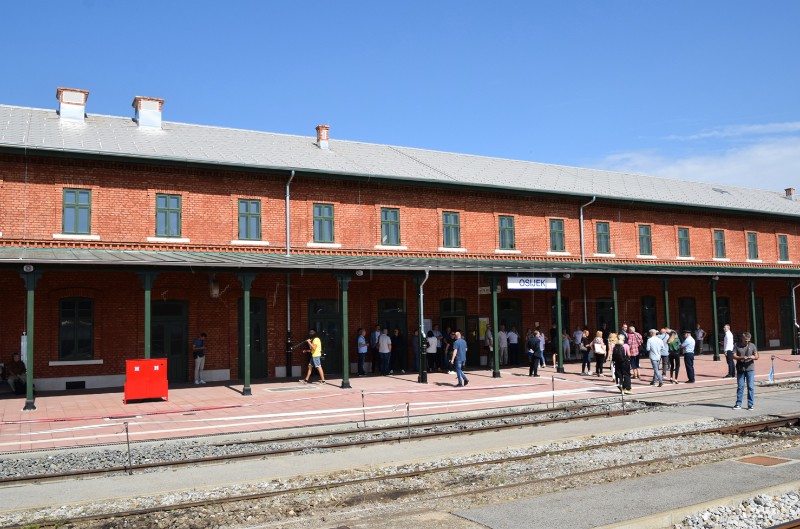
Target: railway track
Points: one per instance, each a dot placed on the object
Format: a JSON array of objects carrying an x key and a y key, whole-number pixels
[{"x": 376, "y": 482}]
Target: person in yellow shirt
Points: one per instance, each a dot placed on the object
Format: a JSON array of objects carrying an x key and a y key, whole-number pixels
[{"x": 315, "y": 346}]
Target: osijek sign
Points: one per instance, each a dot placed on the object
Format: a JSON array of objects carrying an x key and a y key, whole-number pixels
[{"x": 532, "y": 283}]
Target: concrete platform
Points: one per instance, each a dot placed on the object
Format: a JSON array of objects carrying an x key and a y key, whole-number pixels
[{"x": 90, "y": 418}]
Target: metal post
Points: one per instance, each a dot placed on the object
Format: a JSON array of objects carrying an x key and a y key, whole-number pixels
[
  {"x": 616, "y": 306},
  {"x": 147, "y": 279},
  {"x": 716, "y": 318},
  {"x": 560, "y": 343},
  {"x": 753, "y": 330},
  {"x": 247, "y": 283},
  {"x": 794, "y": 318},
  {"x": 495, "y": 328},
  {"x": 666, "y": 304},
  {"x": 31, "y": 278},
  {"x": 422, "y": 377},
  {"x": 344, "y": 281}
]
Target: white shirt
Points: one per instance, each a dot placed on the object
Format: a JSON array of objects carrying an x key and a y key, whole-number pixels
[
  {"x": 384, "y": 343},
  {"x": 728, "y": 343},
  {"x": 502, "y": 339},
  {"x": 513, "y": 337},
  {"x": 577, "y": 336}
]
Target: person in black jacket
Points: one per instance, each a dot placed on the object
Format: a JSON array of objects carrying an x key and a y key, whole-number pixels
[
  {"x": 534, "y": 345},
  {"x": 622, "y": 365}
]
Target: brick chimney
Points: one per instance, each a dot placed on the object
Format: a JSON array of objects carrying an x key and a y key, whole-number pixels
[
  {"x": 148, "y": 111},
  {"x": 322, "y": 136},
  {"x": 71, "y": 103},
  {"x": 790, "y": 193}
]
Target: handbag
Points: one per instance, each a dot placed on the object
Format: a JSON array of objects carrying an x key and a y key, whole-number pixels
[{"x": 598, "y": 349}]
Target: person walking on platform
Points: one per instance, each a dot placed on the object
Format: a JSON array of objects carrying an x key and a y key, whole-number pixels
[
  {"x": 654, "y": 345},
  {"x": 361, "y": 350},
  {"x": 533, "y": 344},
  {"x": 688, "y": 355},
  {"x": 674, "y": 346},
  {"x": 459, "y": 358},
  {"x": 622, "y": 365},
  {"x": 315, "y": 345},
  {"x": 635, "y": 343},
  {"x": 513, "y": 347},
  {"x": 727, "y": 346},
  {"x": 745, "y": 355},
  {"x": 199, "y": 354},
  {"x": 586, "y": 349},
  {"x": 699, "y": 338},
  {"x": 373, "y": 346},
  {"x": 385, "y": 352},
  {"x": 599, "y": 349},
  {"x": 502, "y": 345},
  {"x": 432, "y": 352}
]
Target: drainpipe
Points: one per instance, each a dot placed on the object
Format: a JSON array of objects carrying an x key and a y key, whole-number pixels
[
  {"x": 583, "y": 261},
  {"x": 287, "y": 214},
  {"x": 796, "y": 326},
  {"x": 423, "y": 374}
]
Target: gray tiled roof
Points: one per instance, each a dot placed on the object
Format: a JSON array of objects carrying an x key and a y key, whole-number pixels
[{"x": 37, "y": 129}]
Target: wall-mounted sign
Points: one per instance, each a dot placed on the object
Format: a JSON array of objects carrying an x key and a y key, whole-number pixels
[
  {"x": 488, "y": 290},
  {"x": 532, "y": 283}
]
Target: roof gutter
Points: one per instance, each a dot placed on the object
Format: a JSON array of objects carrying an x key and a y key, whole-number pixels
[{"x": 583, "y": 253}]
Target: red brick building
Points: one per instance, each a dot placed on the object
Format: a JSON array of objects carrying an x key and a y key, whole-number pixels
[{"x": 123, "y": 238}]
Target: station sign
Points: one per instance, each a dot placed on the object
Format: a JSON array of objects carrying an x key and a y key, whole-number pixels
[
  {"x": 488, "y": 290},
  {"x": 532, "y": 283}
]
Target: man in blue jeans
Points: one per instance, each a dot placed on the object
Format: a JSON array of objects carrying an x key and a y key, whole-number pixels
[
  {"x": 459, "y": 358},
  {"x": 688, "y": 355},
  {"x": 745, "y": 355}
]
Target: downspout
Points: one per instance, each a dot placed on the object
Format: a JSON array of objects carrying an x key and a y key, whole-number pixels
[
  {"x": 583, "y": 261},
  {"x": 423, "y": 375},
  {"x": 288, "y": 289}
]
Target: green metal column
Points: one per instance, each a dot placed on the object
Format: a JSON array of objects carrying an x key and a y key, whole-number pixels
[
  {"x": 716, "y": 319},
  {"x": 666, "y": 304},
  {"x": 30, "y": 278},
  {"x": 495, "y": 328},
  {"x": 147, "y": 279},
  {"x": 792, "y": 288},
  {"x": 753, "y": 325},
  {"x": 247, "y": 283},
  {"x": 560, "y": 344},
  {"x": 422, "y": 378},
  {"x": 616, "y": 307},
  {"x": 344, "y": 281}
]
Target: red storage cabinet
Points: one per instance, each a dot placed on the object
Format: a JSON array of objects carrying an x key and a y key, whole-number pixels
[{"x": 146, "y": 379}]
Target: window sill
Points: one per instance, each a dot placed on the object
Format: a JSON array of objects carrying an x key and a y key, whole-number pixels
[
  {"x": 558, "y": 253},
  {"x": 323, "y": 245},
  {"x": 242, "y": 242},
  {"x": 76, "y": 237},
  {"x": 755, "y": 261},
  {"x": 168, "y": 239},
  {"x": 75, "y": 363},
  {"x": 604, "y": 255},
  {"x": 784, "y": 262},
  {"x": 1, "y": 233},
  {"x": 646, "y": 257},
  {"x": 397, "y": 247},
  {"x": 724, "y": 259},
  {"x": 448, "y": 249},
  {"x": 508, "y": 251},
  {"x": 682, "y": 258}
]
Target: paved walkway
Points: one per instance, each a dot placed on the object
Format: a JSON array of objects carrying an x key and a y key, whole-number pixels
[{"x": 96, "y": 417}]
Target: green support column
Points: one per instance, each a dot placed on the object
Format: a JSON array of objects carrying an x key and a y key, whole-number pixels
[
  {"x": 666, "y": 304},
  {"x": 616, "y": 306},
  {"x": 247, "y": 283},
  {"x": 422, "y": 378},
  {"x": 495, "y": 328},
  {"x": 753, "y": 330},
  {"x": 560, "y": 343},
  {"x": 716, "y": 319},
  {"x": 30, "y": 278},
  {"x": 344, "y": 281},
  {"x": 792, "y": 288},
  {"x": 147, "y": 279}
]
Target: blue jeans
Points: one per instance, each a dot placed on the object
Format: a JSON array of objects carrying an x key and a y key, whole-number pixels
[
  {"x": 740, "y": 379},
  {"x": 460, "y": 374},
  {"x": 361, "y": 358},
  {"x": 384, "y": 363},
  {"x": 688, "y": 362},
  {"x": 656, "y": 372},
  {"x": 541, "y": 358}
]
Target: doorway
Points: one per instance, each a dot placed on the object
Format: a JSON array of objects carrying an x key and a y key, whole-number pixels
[
  {"x": 169, "y": 337},
  {"x": 392, "y": 315},
  {"x": 258, "y": 342},
  {"x": 687, "y": 314},
  {"x": 649, "y": 315},
  {"x": 605, "y": 313},
  {"x": 787, "y": 321}
]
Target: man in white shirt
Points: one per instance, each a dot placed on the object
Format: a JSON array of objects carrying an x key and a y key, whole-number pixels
[
  {"x": 385, "y": 351},
  {"x": 699, "y": 337},
  {"x": 513, "y": 346},
  {"x": 727, "y": 346},
  {"x": 502, "y": 344}
]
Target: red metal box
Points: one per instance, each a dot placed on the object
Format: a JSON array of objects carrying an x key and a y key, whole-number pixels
[{"x": 145, "y": 379}]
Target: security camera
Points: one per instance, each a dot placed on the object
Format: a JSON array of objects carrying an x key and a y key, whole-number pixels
[
  {"x": 27, "y": 268},
  {"x": 359, "y": 273}
]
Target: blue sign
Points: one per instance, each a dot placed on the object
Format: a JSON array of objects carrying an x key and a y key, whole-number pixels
[{"x": 532, "y": 283}]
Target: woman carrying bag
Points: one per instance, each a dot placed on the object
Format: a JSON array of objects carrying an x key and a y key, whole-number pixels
[{"x": 599, "y": 350}]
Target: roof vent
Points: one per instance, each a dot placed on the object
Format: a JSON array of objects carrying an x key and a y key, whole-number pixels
[
  {"x": 148, "y": 111},
  {"x": 322, "y": 136},
  {"x": 72, "y": 103},
  {"x": 790, "y": 193}
]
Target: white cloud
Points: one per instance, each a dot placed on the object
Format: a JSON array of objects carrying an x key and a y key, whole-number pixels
[
  {"x": 772, "y": 164},
  {"x": 733, "y": 131}
]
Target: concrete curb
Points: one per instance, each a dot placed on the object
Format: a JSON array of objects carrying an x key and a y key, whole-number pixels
[{"x": 676, "y": 516}]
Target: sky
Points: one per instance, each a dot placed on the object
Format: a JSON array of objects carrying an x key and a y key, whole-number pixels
[{"x": 700, "y": 90}]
